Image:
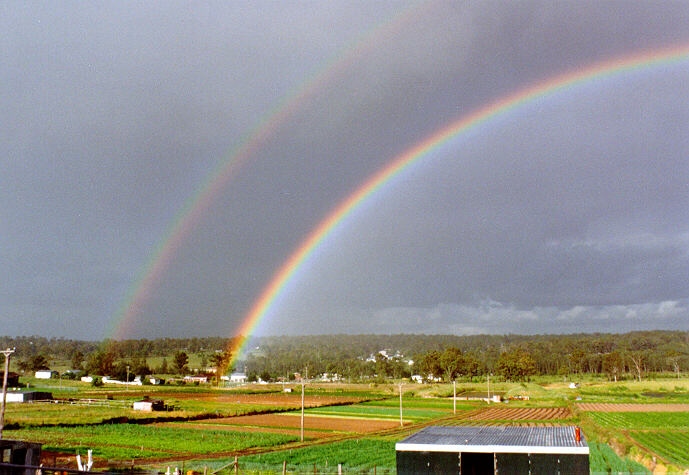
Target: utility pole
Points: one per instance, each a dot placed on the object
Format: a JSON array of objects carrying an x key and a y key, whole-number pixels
[
  {"x": 127, "y": 381},
  {"x": 401, "y": 420},
  {"x": 488, "y": 388},
  {"x": 7, "y": 354},
  {"x": 302, "y": 410},
  {"x": 454, "y": 397}
]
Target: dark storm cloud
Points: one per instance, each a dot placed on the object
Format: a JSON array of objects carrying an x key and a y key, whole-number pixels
[{"x": 573, "y": 211}]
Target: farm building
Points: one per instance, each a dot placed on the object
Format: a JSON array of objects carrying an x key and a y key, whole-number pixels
[
  {"x": 17, "y": 452},
  {"x": 28, "y": 396},
  {"x": 46, "y": 374},
  {"x": 494, "y": 449},
  {"x": 238, "y": 378},
  {"x": 495, "y": 396},
  {"x": 12, "y": 379},
  {"x": 148, "y": 405}
]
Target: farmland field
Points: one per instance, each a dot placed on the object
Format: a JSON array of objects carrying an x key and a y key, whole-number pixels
[
  {"x": 522, "y": 413},
  {"x": 133, "y": 440},
  {"x": 643, "y": 420},
  {"x": 672, "y": 446},
  {"x": 376, "y": 412},
  {"x": 332, "y": 424},
  {"x": 356, "y": 425}
]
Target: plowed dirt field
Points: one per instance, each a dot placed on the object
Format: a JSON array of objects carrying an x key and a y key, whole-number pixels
[
  {"x": 336, "y": 424},
  {"x": 522, "y": 414}
]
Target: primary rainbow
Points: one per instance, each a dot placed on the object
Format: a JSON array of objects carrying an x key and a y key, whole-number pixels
[
  {"x": 195, "y": 207},
  {"x": 412, "y": 156}
]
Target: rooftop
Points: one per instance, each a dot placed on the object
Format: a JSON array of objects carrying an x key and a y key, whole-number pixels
[{"x": 501, "y": 439}]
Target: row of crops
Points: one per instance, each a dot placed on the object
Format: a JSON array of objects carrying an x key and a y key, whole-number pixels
[
  {"x": 129, "y": 441},
  {"x": 665, "y": 434},
  {"x": 642, "y": 420}
]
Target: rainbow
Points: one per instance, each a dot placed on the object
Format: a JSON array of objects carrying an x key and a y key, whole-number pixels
[
  {"x": 414, "y": 155},
  {"x": 196, "y": 206}
]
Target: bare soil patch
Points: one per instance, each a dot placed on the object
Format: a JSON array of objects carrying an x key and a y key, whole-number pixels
[
  {"x": 613, "y": 407},
  {"x": 337, "y": 424},
  {"x": 522, "y": 413}
]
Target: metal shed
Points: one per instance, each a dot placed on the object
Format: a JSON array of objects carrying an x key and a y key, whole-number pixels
[{"x": 494, "y": 449}]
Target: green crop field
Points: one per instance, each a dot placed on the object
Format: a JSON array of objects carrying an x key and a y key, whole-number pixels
[
  {"x": 364, "y": 455},
  {"x": 602, "y": 459},
  {"x": 642, "y": 420},
  {"x": 375, "y": 412},
  {"x": 422, "y": 403},
  {"x": 134, "y": 438},
  {"x": 672, "y": 446}
]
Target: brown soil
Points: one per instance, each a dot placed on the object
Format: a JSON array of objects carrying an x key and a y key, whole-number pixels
[
  {"x": 308, "y": 433},
  {"x": 522, "y": 413},
  {"x": 612, "y": 407},
  {"x": 258, "y": 422}
]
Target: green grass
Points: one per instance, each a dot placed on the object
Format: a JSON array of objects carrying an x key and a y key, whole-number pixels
[
  {"x": 642, "y": 420},
  {"x": 356, "y": 456},
  {"x": 672, "y": 446},
  {"x": 421, "y": 403},
  {"x": 133, "y": 438},
  {"x": 375, "y": 412},
  {"x": 603, "y": 459}
]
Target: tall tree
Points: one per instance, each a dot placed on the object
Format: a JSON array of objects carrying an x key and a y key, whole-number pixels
[
  {"x": 516, "y": 365},
  {"x": 181, "y": 360}
]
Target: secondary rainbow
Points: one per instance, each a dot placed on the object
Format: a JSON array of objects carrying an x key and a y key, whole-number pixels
[
  {"x": 414, "y": 155},
  {"x": 194, "y": 209}
]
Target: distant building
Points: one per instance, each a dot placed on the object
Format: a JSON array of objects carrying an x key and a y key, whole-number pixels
[
  {"x": 46, "y": 374},
  {"x": 494, "y": 449},
  {"x": 238, "y": 378},
  {"x": 196, "y": 379},
  {"x": 28, "y": 396},
  {"x": 12, "y": 379},
  {"x": 148, "y": 405}
]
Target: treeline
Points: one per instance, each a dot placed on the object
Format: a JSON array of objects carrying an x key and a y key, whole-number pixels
[
  {"x": 62, "y": 348},
  {"x": 513, "y": 356},
  {"x": 358, "y": 357}
]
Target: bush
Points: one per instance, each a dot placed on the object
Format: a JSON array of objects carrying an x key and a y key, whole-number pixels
[{"x": 97, "y": 381}]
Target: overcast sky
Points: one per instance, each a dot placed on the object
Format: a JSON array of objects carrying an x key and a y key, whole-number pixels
[{"x": 569, "y": 214}]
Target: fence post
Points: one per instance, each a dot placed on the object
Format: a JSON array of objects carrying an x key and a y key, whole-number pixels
[
  {"x": 236, "y": 464},
  {"x": 339, "y": 469},
  {"x": 284, "y": 467}
]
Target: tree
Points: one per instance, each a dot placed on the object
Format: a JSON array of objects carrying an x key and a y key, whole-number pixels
[
  {"x": 221, "y": 361},
  {"x": 180, "y": 361},
  {"x": 613, "y": 364},
  {"x": 101, "y": 362},
  {"x": 451, "y": 361},
  {"x": 637, "y": 359},
  {"x": 429, "y": 365},
  {"x": 162, "y": 369},
  {"x": 77, "y": 360},
  {"x": 516, "y": 365},
  {"x": 38, "y": 363}
]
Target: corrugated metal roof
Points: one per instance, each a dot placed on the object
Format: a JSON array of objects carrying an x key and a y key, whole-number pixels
[{"x": 476, "y": 436}]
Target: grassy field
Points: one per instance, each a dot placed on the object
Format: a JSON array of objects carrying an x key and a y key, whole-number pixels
[
  {"x": 129, "y": 441},
  {"x": 376, "y": 412}
]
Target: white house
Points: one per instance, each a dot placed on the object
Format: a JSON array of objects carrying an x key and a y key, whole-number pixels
[
  {"x": 45, "y": 374},
  {"x": 238, "y": 378}
]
